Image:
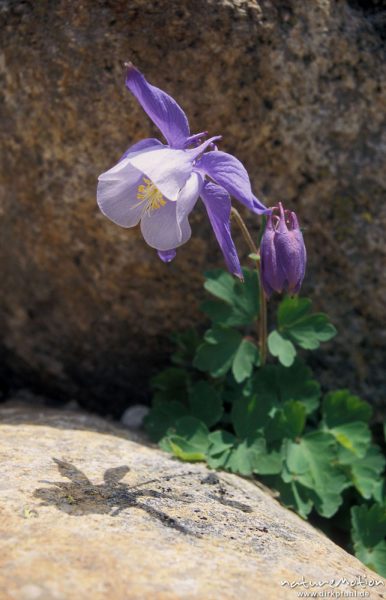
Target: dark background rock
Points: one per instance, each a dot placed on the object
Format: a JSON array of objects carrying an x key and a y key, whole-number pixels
[{"x": 294, "y": 87}]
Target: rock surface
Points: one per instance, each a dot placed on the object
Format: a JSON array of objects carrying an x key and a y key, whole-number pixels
[
  {"x": 88, "y": 511},
  {"x": 296, "y": 90}
]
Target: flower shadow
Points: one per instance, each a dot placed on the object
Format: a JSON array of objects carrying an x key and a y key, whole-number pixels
[{"x": 79, "y": 496}]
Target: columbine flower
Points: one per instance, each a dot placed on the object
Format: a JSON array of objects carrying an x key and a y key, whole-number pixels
[
  {"x": 283, "y": 253},
  {"x": 158, "y": 184}
]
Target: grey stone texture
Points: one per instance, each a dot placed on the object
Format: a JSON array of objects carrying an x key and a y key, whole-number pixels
[{"x": 89, "y": 511}]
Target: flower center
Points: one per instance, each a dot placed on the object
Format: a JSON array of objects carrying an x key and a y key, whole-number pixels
[{"x": 151, "y": 195}]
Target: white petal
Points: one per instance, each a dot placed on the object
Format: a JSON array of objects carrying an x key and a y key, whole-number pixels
[
  {"x": 188, "y": 198},
  {"x": 146, "y": 145},
  {"x": 117, "y": 194},
  {"x": 161, "y": 230},
  {"x": 168, "y": 169}
]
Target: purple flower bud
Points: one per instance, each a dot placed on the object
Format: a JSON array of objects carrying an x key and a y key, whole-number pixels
[{"x": 283, "y": 253}]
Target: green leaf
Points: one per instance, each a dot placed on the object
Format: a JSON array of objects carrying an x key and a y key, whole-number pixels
[
  {"x": 205, "y": 403},
  {"x": 218, "y": 461},
  {"x": 297, "y": 323},
  {"x": 162, "y": 415},
  {"x": 217, "y": 353},
  {"x": 287, "y": 422},
  {"x": 365, "y": 473},
  {"x": 296, "y": 383},
  {"x": 346, "y": 416},
  {"x": 275, "y": 385},
  {"x": 341, "y": 407},
  {"x": 239, "y": 300},
  {"x": 186, "y": 345},
  {"x": 312, "y": 462},
  {"x": 184, "y": 450},
  {"x": 294, "y": 496},
  {"x": 292, "y": 309},
  {"x": 368, "y": 534},
  {"x": 171, "y": 384},
  {"x": 220, "y": 313},
  {"x": 379, "y": 491},
  {"x": 220, "y": 441},
  {"x": 245, "y": 358},
  {"x": 249, "y": 414},
  {"x": 188, "y": 439},
  {"x": 224, "y": 349},
  {"x": 269, "y": 464},
  {"x": 282, "y": 348},
  {"x": 220, "y": 447},
  {"x": 354, "y": 437},
  {"x": 244, "y": 459}
]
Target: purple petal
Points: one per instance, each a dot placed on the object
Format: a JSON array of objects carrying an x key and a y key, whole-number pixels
[
  {"x": 193, "y": 139},
  {"x": 227, "y": 171},
  {"x": 290, "y": 251},
  {"x": 218, "y": 205},
  {"x": 117, "y": 194},
  {"x": 194, "y": 153},
  {"x": 259, "y": 207},
  {"x": 168, "y": 169},
  {"x": 160, "y": 228},
  {"x": 142, "y": 146},
  {"x": 272, "y": 276},
  {"x": 167, "y": 255},
  {"x": 162, "y": 109},
  {"x": 291, "y": 256}
]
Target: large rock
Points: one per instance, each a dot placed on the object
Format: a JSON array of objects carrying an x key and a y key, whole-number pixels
[
  {"x": 295, "y": 88},
  {"x": 87, "y": 512}
]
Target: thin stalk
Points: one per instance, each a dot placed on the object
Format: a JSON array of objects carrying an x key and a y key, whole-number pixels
[{"x": 262, "y": 324}]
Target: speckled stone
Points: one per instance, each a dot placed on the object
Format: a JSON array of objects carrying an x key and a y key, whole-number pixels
[
  {"x": 297, "y": 91},
  {"x": 88, "y": 510}
]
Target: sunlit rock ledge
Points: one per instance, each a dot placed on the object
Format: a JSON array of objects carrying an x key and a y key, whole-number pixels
[{"x": 88, "y": 510}]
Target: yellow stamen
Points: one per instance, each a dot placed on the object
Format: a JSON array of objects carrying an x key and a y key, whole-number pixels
[{"x": 151, "y": 195}]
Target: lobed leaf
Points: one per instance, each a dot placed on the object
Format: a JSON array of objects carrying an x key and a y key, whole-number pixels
[
  {"x": 244, "y": 458},
  {"x": 163, "y": 414},
  {"x": 366, "y": 473},
  {"x": 188, "y": 439},
  {"x": 205, "y": 403},
  {"x": 250, "y": 414},
  {"x": 354, "y": 437},
  {"x": 273, "y": 385},
  {"x": 312, "y": 462},
  {"x": 287, "y": 422},
  {"x": 282, "y": 348},
  {"x": 186, "y": 345},
  {"x": 246, "y": 357},
  {"x": 294, "y": 496},
  {"x": 225, "y": 349},
  {"x": 299, "y": 325},
  {"x": 171, "y": 384},
  {"x": 368, "y": 534},
  {"x": 239, "y": 301},
  {"x": 341, "y": 407}
]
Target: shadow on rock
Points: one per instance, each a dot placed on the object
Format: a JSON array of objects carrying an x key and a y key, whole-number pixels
[{"x": 80, "y": 496}]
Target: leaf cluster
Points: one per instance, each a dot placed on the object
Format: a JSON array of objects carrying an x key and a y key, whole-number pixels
[{"x": 218, "y": 404}]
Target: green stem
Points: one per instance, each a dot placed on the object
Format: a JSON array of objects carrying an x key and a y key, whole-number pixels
[{"x": 262, "y": 325}]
